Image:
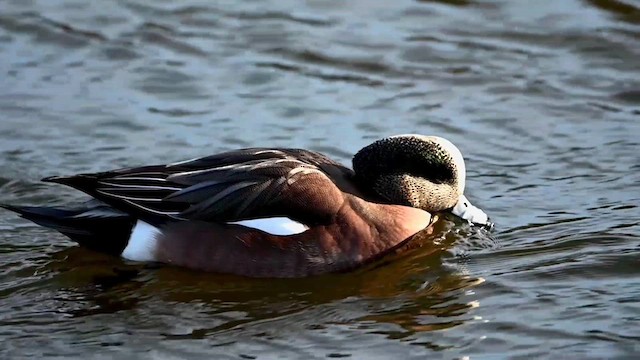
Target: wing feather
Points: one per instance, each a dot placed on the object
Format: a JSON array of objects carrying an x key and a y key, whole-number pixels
[{"x": 230, "y": 186}]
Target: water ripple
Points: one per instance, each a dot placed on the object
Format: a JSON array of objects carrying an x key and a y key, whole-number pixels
[{"x": 543, "y": 102}]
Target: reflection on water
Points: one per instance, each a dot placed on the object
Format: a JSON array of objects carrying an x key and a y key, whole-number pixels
[{"x": 543, "y": 101}]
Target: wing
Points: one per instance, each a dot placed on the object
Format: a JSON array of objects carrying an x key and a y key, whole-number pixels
[{"x": 231, "y": 186}]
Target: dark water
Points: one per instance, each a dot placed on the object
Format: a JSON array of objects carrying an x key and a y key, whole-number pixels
[{"x": 542, "y": 97}]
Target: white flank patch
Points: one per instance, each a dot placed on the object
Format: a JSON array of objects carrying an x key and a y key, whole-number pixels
[
  {"x": 275, "y": 226},
  {"x": 142, "y": 243}
]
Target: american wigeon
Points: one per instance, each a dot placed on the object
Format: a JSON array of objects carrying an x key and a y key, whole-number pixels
[{"x": 267, "y": 212}]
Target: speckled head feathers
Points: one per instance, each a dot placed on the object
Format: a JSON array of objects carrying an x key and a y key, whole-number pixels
[{"x": 426, "y": 172}]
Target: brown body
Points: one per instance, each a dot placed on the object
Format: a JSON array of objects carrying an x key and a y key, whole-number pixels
[{"x": 357, "y": 236}]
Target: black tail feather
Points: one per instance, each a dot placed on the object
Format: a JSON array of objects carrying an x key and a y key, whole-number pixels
[
  {"x": 98, "y": 227},
  {"x": 79, "y": 182},
  {"x": 45, "y": 216}
]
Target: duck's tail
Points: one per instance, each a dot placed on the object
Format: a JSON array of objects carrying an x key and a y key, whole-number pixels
[{"x": 95, "y": 226}]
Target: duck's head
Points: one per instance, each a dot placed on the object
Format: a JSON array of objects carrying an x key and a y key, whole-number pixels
[{"x": 426, "y": 172}]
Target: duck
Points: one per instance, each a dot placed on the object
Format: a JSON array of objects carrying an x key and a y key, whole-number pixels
[{"x": 267, "y": 212}]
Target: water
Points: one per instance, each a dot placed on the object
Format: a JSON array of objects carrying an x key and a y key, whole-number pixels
[{"x": 543, "y": 99}]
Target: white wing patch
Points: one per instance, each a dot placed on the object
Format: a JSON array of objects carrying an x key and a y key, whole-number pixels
[
  {"x": 275, "y": 226},
  {"x": 142, "y": 243}
]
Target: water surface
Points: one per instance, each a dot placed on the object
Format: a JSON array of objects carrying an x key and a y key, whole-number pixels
[{"x": 542, "y": 98}]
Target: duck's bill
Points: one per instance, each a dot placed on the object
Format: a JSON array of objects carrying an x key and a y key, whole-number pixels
[{"x": 465, "y": 210}]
